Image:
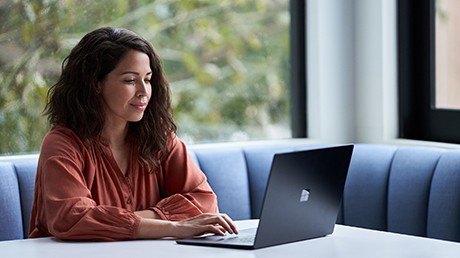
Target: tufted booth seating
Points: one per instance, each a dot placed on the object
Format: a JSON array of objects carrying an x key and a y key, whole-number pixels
[{"x": 409, "y": 190}]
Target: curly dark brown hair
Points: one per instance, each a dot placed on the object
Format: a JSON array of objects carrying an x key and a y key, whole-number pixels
[{"x": 75, "y": 102}]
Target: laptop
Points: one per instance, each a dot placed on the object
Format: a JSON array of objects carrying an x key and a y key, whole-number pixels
[{"x": 301, "y": 201}]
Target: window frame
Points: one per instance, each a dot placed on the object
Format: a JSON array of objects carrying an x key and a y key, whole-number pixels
[
  {"x": 298, "y": 55},
  {"x": 419, "y": 119}
]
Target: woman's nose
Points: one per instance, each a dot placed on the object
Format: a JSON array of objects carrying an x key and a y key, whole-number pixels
[{"x": 143, "y": 88}]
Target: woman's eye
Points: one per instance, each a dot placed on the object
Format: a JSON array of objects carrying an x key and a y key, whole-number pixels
[
  {"x": 147, "y": 80},
  {"x": 129, "y": 81}
]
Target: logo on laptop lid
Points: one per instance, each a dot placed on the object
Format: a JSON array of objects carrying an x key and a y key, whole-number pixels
[{"x": 304, "y": 195}]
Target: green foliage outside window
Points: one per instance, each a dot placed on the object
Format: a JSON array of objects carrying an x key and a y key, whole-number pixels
[{"x": 227, "y": 62}]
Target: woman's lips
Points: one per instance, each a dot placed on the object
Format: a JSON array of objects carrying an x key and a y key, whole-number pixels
[{"x": 139, "y": 106}]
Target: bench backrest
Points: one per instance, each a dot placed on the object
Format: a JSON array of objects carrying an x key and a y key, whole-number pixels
[{"x": 410, "y": 190}]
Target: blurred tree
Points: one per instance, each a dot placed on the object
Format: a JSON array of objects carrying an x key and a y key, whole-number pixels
[{"x": 227, "y": 62}]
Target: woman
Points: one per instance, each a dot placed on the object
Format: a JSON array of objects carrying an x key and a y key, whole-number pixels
[{"x": 111, "y": 168}]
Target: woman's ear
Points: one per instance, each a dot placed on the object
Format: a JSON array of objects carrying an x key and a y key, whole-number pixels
[{"x": 98, "y": 87}]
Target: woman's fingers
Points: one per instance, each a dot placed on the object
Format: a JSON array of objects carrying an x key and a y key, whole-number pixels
[
  {"x": 206, "y": 223},
  {"x": 222, "y": 220},
  {"x": 228, "y": 224}
]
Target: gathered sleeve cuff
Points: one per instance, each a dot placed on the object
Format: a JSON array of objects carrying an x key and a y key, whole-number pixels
[
  {"x": 175, "y": 208},
  {"x": 185, "y": 185},
  {"x": 100, "y": 224}
]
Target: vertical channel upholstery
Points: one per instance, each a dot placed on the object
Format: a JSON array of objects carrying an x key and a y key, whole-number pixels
[
  {"x": 443, "y": 220},
  {"x": 366, "y": 189},
  {"x": 26, "y": 171},
  {"x": 228, "y": 176},
  {"x": 11, "y": 226},
  {"x": 409, "y": 189}
]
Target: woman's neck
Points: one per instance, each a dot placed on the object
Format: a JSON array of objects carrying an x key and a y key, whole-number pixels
[{"x": 116, "y": 135}]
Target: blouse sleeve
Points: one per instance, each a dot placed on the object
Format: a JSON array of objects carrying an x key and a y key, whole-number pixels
[
  {"x": 67, "y": 208},
  {"x": 185, "y": 185}
]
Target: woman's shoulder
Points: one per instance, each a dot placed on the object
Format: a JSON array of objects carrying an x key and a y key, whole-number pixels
[
  {"x": 60, "y": 133},
  {"x": 176, "y": 148},
  {"x": 174, "y": 142},
  {"x": 61, "y": 140}
]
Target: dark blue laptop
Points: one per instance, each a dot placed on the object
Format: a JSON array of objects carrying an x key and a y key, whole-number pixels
[{"x": 302, "y": 200}]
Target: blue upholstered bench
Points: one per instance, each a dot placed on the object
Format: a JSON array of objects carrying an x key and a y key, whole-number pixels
[
  {"x": 410, "y": 190},
  {"x": 17, "y": 182}
]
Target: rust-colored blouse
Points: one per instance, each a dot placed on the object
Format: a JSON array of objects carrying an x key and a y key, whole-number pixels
[{"x": 81, "y": 193}]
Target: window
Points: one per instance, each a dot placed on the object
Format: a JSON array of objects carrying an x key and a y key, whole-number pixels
[
  {"x": 228, "y": 63},
  {"x": 447, "y": 49},
  {"x": 428, "y": 102}
]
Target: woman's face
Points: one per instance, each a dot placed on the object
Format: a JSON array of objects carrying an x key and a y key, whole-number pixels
[{"x": 126, "y": 90}]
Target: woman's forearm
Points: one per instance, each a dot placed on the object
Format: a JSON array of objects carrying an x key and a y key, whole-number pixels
[
  {"x": 155, "y": 229},
  {"x": 147, "y": 214}
]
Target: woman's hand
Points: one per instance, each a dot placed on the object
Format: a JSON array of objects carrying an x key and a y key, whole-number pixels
[{"x": 205, "y": 223}]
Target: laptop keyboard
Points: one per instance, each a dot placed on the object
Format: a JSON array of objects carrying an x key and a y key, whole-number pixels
[
  {"x": 245, "y": 236},
  {"x": 248, "y": 239}
]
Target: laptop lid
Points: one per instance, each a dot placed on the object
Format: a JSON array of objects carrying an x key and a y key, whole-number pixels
[
  {"x": 302, "y": 198},
  {"x": 303, "y": 195}
]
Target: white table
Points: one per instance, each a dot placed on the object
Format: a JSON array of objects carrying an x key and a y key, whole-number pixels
[{"x": 344, "y": 242}]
